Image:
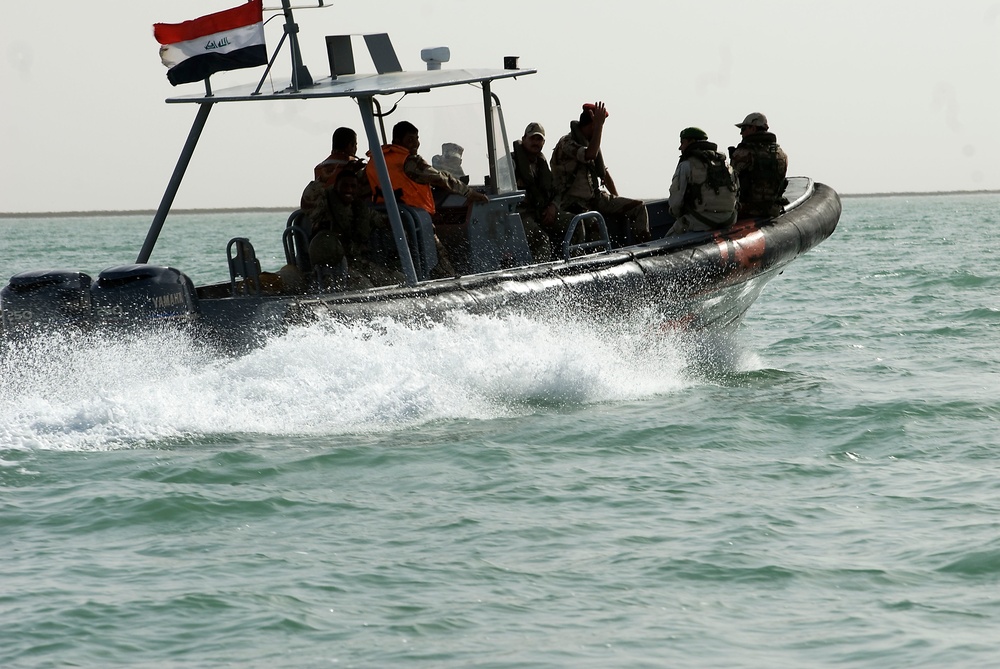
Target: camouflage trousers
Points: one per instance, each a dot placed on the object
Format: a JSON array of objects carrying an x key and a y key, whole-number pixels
[
  {"x": 546, "y": 239},
  {"x": 688, "y": 223}
]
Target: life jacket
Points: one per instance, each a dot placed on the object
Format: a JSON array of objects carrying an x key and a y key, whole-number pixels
[
  {"x": 763, "y": 185},
  {"x": 314, "y": 202},
  {"x": 538, "y": 188},
  {"x": 327, "y": 170},
  {"x": 407, "y": 190},
  {"x": 313, "y": 198},
  {"x": 712, "y": 189}
]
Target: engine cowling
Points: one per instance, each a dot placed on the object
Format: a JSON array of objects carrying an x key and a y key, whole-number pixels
[
  {"x": 45, "y": 299},
  {"x": 143, "y": 294}
]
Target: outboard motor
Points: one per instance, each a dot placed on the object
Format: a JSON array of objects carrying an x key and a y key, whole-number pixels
[
  {"x": 133, "y": 294},
  {"x": 40, "y": 300}
]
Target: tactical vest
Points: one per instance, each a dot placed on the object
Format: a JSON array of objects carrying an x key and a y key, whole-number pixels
[
  {"x": 538, "y": 188},
  {"x": 413, "y": 194},
  {"x": 327, "y": 170},
  {"x": 762, "y": 186},
  {"x": 712, "y": 189}
]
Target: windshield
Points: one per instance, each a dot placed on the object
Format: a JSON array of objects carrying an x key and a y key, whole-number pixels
[
  {"x": 505, "y": 162},
  {"x": 453, "y": 137}
]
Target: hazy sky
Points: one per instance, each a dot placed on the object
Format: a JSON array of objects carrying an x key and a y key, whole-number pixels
[{"x": 864, "y": 95}]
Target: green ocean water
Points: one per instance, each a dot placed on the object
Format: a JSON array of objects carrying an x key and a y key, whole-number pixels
[{"x": 819, "y": 490}]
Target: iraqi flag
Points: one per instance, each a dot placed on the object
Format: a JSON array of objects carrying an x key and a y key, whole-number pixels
[{"x": 228, "y": 40}]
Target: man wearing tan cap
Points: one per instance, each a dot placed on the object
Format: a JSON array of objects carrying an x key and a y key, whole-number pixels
[
  {"x": 544, "y": 224},
  {"x": 413, "y": 176},
  {"x": 760, "y": 167}
]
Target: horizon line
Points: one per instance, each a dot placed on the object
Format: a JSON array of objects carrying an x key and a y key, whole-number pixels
[{"x": 245, "y": 210}]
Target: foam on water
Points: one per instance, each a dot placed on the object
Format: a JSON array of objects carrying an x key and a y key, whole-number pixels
[{"x": 77, "y": 393}]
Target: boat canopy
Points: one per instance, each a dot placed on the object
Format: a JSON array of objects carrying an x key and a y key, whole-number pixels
[
  {"x": 362, "y": 87},
  {"x": 358, "y": 85}
]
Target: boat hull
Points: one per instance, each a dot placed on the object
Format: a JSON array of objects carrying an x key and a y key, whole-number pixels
[
  {"x": 693, "y": 281},
  {"x": 700, "y": 280}
]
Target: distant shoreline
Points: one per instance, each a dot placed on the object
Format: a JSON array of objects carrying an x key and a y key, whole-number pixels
[
  {"x": 289, "y": 209},
  {"x": 922, "y": 193},
  {"x": 142, "y": 212}
]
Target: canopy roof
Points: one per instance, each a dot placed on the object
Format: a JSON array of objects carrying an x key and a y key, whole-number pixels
[{"x": 357, "y": 85}]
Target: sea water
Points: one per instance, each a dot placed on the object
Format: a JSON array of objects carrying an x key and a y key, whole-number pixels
[{"x": 818, "y": 490}]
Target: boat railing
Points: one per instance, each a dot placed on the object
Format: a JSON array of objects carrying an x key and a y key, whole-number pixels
[
  {"x": 568, "y": 248},
  {"x": 798, "y": 190}
]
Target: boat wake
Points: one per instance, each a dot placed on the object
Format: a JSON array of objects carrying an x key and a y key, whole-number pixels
[{"x": 79, "y": 393}]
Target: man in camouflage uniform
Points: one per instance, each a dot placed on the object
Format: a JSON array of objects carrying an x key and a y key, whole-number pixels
[
  {"x": 578, "y": 173},
  {"x": 703, "y": 189},
  {"x": 450, "y": 161},
  {"x": 544, "y": 225},
  {"x": 760, "y": 167},
  {"x": 343, "y": 229},
  {"x": 345, "y": 146},
  {"x": 345, "y": 149}
]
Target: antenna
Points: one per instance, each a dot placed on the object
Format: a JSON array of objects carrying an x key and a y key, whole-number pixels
[{"x": 300, "y": 73}]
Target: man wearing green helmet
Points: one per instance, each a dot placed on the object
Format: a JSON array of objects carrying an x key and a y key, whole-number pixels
[{"x": 703, "y": 192}]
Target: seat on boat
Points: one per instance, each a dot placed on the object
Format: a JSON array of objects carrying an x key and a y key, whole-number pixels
[
  {"x": 419, "y": 231},
  {"x": 244, "y": 268},
  {"x": 484, "y": 237},
  {"x": 296, "y": 275},
  {"x": 660, "y": 219},
  {"x": 295, "y": 242},
  {"x": 299, "y": 273}
]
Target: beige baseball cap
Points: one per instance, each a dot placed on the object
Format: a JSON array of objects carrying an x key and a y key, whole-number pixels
[
  {"x": 755, "y": 119},
  {"x": 534, "y": 129}
]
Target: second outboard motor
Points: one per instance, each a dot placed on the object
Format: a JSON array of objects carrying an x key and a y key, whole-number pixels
[
  {"x": 38, "y": 300},
  {"x": 143, "y": 294}
]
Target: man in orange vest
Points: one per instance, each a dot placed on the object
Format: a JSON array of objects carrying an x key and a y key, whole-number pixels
[{"x": 412, "y": 176}]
